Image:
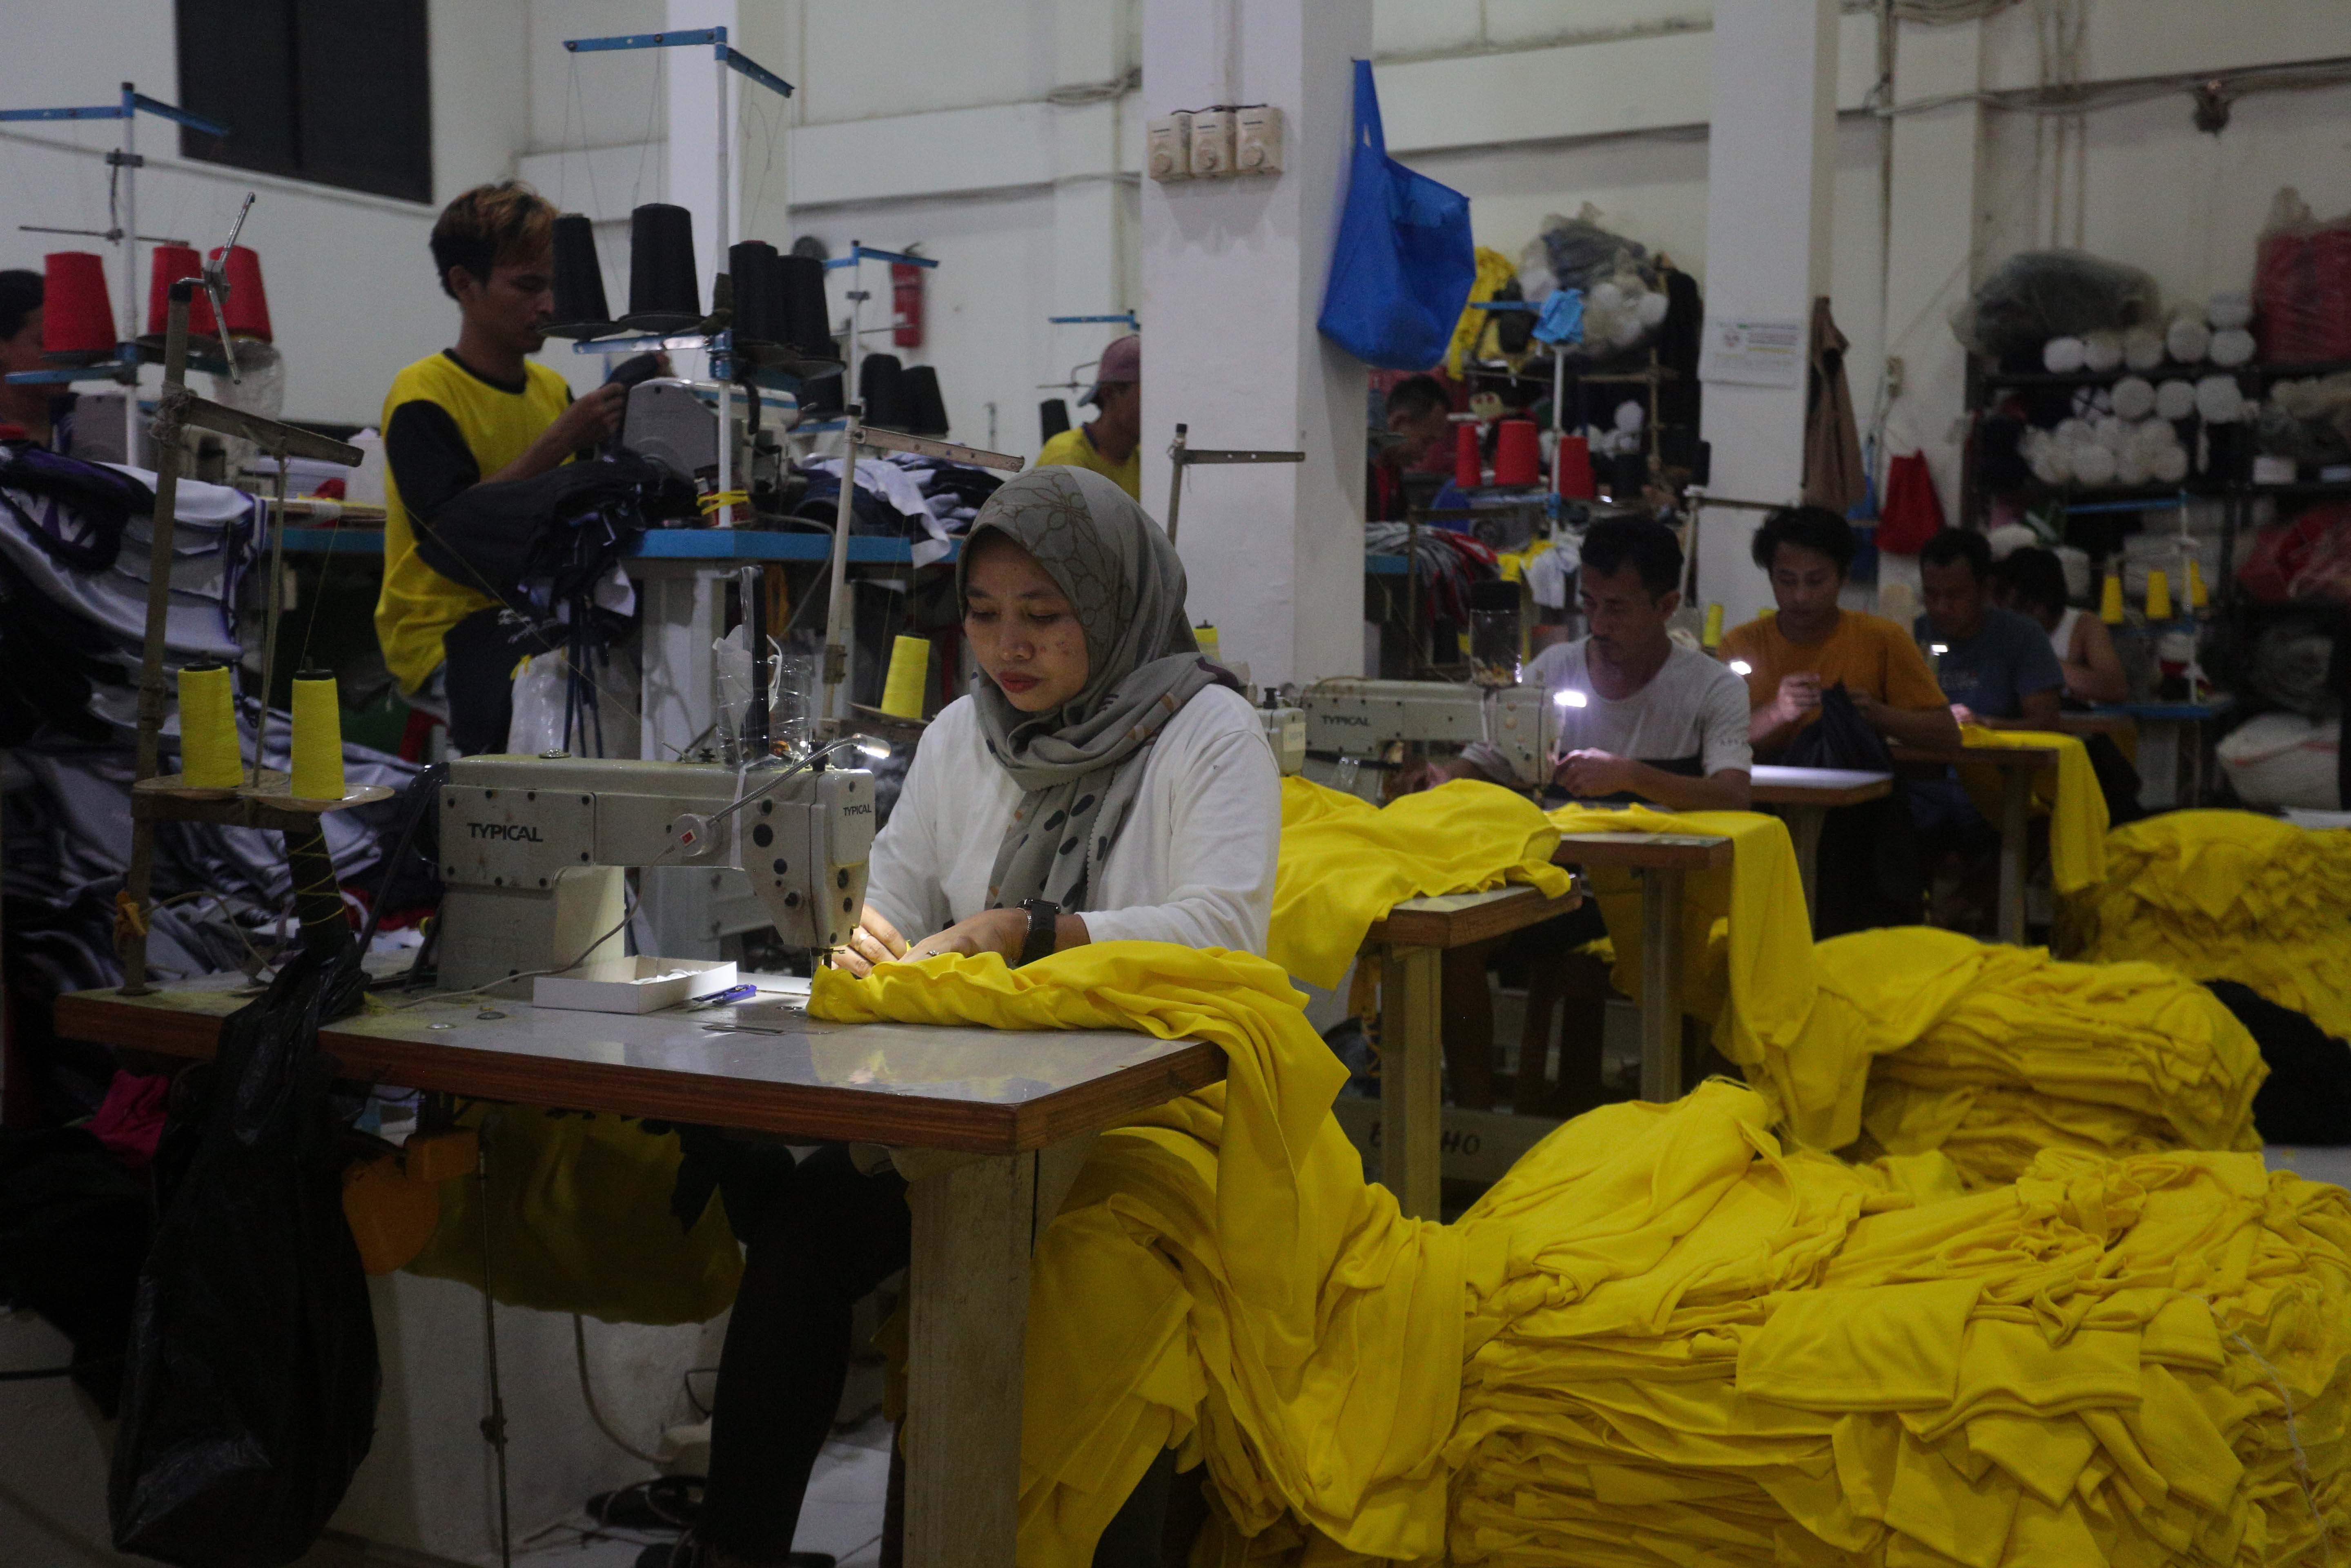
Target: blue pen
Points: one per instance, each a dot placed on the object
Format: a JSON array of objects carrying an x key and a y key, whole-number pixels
[{"x": 742, "y": 993}]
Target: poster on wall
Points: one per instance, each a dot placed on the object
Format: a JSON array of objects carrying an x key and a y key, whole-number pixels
[{"x": 1756, "y": 353}]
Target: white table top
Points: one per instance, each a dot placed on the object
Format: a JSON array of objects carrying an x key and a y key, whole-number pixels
[{"x": 1821, "y": 778}]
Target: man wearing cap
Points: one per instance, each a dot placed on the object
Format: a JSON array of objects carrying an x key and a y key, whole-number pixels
[{"x": 1111, "y": 443}]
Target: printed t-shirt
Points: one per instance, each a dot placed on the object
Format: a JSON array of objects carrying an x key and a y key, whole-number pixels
[{"x": 446, "y": 425}]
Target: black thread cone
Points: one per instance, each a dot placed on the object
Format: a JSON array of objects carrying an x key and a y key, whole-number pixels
[
  {"x": 664, "y": 294},
  {"x": 581, "y": 308},
  {"x": 881, "y": 387},
  {"x": 758, "y": 294},
  {"x": 920, "y": 401},
  {"x": 808, "y": 318},
  {"x": 1052, "y": 417}
]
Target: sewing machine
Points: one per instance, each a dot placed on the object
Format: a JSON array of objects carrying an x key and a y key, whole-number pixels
[
  {"x": 1351, "y": 723},
  {"x": 672, "y": 422},
  {"x": 533, "y": 850}
]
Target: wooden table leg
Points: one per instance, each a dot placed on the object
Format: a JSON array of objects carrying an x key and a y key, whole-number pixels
[
  {"x": 1661, "y": 985},
  {"x": 1412, "y": 1077},
  {"x": 2015, "y": 798},
  {"x": 1804, "y": 824},
  {"x": 968, "y": 1314}
]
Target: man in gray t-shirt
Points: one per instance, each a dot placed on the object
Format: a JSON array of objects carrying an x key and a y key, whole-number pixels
[{"x": 1639, "y": 715}]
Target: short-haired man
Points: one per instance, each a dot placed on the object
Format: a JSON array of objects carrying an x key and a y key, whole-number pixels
[
  {"x": 479, "y": 413},
  {"x": 34, "y": 414},
  {"x": 1996, "y": 667},
  {"x": 1813, "y": 642},
  {"x": 1419, "y": 416},
  {"x": 1640, "y": 715},
  {"x": 1110, "y": 443}
]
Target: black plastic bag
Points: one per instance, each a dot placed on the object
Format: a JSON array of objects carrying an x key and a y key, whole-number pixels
[{"x": 250, "y": 1389}]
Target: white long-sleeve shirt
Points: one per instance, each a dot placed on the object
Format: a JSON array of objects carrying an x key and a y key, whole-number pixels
[{"x": 1193, "y": 865}]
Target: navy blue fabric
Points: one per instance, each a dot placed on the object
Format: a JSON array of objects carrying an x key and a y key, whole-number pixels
[
  {"x": 1993, "y": 671},
  {"x": 1403, "y": 263}
]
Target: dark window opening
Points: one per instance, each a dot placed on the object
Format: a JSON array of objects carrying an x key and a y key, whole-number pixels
[{"x": 338, "y": 92}]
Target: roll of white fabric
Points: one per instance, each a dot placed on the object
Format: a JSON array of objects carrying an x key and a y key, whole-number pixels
[
  {"x": 2074, "y": 433},
  {"x": 2232, "y": 346},
  {"x": 2101, "y": 351},
  {"x": 2063, "y": 355},
  {"x": 2187, "y": 341},
  {"x": 2175, "y": 400},
  {"x": 2230, "y": 312},
  {"x": 2133, "y": 397},
  {"x": 1652, "y": 310},
  {"x": 2220, "y": 400},
  {"x": 1630, "y": 415},
  {"x": 2142, "y": 348},
  {"x": 2094, "y": 464},
  {"x": 2131, "y": 466},
  {"x": 2054, "y": 467},
  {"x": 2111, "y": 434},
  {"x": 2170, "y": 467}
]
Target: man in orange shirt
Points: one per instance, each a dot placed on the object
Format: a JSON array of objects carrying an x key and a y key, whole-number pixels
[{"x": 1814, "y": 642}]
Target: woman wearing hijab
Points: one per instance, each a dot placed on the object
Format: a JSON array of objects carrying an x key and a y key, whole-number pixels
[{"x": 1100, "y": 782}]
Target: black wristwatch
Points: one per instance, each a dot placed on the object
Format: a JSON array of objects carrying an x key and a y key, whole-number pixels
[{"x": 1042, "y": 913}]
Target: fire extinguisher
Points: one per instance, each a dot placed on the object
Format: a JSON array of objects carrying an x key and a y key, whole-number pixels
[{"x": 906, "y": 305}]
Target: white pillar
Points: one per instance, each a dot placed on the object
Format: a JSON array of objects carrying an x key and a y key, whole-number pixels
[
  {"x": 1232, "y": 280},
  {"x": 1930, "y": 241},
  {"x": 1771, "y": 173}
]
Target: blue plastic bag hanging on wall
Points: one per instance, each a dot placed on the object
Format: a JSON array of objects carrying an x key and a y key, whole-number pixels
[{"x": 1402, "y": 266}]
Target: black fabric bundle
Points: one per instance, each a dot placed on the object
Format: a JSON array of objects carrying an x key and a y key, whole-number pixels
[
  {"x": 2306, "y": 1099},
  {"x": 664, "y": 294},
  {"x": 1869, "y": 873}
]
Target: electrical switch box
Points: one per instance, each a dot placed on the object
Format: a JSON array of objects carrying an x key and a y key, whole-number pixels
[
  {"x": 1168, "y": 148},
  {"x": 1212, "y": 144},
  {"x": 1257, "y": 136}
]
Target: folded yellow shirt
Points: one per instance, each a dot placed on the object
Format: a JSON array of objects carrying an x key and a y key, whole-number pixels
[{"x": 2077, "y": 806}]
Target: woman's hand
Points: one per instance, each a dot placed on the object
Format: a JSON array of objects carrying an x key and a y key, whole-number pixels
[
  {"x": 876, "y": 941},
  {"x": 1000, "y": 931}
]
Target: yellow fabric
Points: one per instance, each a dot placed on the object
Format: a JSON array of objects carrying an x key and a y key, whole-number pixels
[
  {"x": 1494, "y": 269},
  {"x": 2077, "y": 806},
  {"x": 1866, "y": 654},
  {"x": 417, "y": 605},
  {"x": 1661, "y": 1339},
  {"x": 1746, "y": 938},
  {"x": 1220, "y": 1270},
  {"x": 1073, "y": 448},
  {"x": 2228, "y": 896},
  {"x": 581, "y": 1222},
  {"x": 1345, "y": 862}
]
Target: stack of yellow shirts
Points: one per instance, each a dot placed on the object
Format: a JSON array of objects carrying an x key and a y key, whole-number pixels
[
  {"x": 1345, "y": 862},
  {"x": 2228, "y": 896},
  {"x": 1920, "y": 1040},
  {"x": 1705, "y": 1350},
  {"x": 1661, "y": 1339}
]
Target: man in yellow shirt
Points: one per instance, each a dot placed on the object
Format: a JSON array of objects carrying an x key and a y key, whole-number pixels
[
  {"x": 1111, "y": 443},
  {"x": 476, "y": 414}
]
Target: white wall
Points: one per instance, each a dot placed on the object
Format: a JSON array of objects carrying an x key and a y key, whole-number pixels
[{"x": 352, "y": 295}]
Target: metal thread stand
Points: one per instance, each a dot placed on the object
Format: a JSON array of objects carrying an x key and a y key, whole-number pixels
[
  {"x": 177, "y": 410},
  {"x": 124, "y": 367},
  {"x": 1182, "y": 454},
  {"x": 860, "y": 252},
  {"x": 726, "y": 57},
  {"x": 855, "y": 434}
]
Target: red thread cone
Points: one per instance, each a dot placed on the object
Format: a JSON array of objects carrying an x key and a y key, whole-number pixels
[
  {"x": 1468, "y": 472},
  {"x": 1518, "y": 454},
  {"x": 248, "y": 304},
  {"x": 1572, "y": 468},
  {"x": 77, "y": 317},
  {"x": 173, "y": 263}
]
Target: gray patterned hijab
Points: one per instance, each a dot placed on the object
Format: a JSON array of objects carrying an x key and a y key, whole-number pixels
[{"x": 1079, "y": 767}]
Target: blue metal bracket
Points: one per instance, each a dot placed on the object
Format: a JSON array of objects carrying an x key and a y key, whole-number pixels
[
  {"x": 131, "y": 103},
  {"x": 122, "y": 368},
  {"x": 1124, "y": 318},
  {"x": 858, "y": 253},
  {"x": 725, "y": 53}
]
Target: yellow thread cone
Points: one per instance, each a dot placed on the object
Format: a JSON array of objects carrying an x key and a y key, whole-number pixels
[
  {"x": 2158, "y": 596},
  {"x": 2110, "y": 602},
  {"x": 1713, "y": 638},
  {"x": 1206, "y": 635},
  {"x": 910, "y": 670},
  {"x": 209, "y": 754},
  {"x": 318, "y": 737},
  {"x": 2197, "y": 599}
]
